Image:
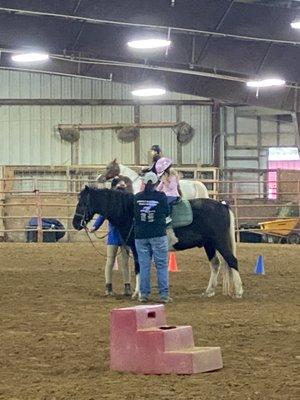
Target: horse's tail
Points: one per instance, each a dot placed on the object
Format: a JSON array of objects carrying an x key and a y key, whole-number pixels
[{"x": 232, "y": 232}]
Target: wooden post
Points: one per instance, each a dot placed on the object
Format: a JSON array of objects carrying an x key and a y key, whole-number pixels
[{"x": 38, "y": 213}]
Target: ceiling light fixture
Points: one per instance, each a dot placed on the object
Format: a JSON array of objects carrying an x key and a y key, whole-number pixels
[
  {"x": 150, "y": 91},
  {"x": 266, "y": 83},
  {"x": 149, "y": 43},
  {"x": 295, "y": 24},
  {"x": 30, "y": 57}
]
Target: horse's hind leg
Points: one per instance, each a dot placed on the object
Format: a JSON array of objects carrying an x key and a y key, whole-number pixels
[
  {"x": 231, "y": 276},
  {"x": 214, "y": 270},
  {"x": 136, "y": 292}
]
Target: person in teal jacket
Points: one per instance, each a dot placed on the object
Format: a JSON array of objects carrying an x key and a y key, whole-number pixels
[{"x": 114, "y": 243}]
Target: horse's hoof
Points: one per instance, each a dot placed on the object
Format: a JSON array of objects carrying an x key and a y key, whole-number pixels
[
  {"x": 208, "y": 294},
  {"x": 238, "y": 296}
]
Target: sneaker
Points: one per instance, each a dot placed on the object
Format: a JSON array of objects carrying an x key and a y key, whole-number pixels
[
  {"x": 108, "y": 290},
  {"x": 143, "y": 299},
  {"x": 166, "y": 300},
  {"x": 127, "y": 290}
]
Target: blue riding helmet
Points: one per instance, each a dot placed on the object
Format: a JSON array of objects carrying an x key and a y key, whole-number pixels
[{"x": 156, "y": 148}]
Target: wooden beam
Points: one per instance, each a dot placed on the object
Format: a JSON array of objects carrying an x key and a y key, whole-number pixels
[{"x": 90, "y": 127}]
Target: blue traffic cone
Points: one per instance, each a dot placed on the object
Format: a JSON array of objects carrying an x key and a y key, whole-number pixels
[{"x": 260, "y": 266}]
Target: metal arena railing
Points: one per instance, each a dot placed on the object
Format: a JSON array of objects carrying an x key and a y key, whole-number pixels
[{"x": 24, "y": 198}]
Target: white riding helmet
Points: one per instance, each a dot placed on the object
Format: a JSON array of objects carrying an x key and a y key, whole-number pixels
[{"x": 150, "y": 177}]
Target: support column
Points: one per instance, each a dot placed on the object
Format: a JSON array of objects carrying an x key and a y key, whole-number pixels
[
  {"x": 75, "y": 152},
  {"x": 216, "y": 128},
  {"x": 137, "y": 142},
  {"x": 298, "y": 130},
  {"x": 179, "y": 145}
]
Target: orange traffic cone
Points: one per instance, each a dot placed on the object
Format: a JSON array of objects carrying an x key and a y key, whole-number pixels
[
  {"x": 173, "y": 262},
  {"x": 116, "y": 265}
]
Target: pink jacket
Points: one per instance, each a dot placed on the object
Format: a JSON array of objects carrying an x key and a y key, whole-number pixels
[{"x": 169, "y": 186}]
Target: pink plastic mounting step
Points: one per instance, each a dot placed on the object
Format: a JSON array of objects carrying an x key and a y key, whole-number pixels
[{"x": 142, "y": 342}]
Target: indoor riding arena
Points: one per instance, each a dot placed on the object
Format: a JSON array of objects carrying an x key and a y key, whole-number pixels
[{"x": 94, "y": 95}]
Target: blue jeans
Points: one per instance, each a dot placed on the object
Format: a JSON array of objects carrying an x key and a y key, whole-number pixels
[
  {"x": 158, "y": 247},
  {"x": 171, "y": 199}
]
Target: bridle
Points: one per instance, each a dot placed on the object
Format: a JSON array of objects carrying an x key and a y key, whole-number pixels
[
  {"x": 85, "y": 215},
  {"x": 85, "y": 219}
]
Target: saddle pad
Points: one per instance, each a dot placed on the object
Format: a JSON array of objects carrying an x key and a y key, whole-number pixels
[{"x": 182, "y": 214}]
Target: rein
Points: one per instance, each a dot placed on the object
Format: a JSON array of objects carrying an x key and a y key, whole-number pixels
[{"x": 92, "y": 243}]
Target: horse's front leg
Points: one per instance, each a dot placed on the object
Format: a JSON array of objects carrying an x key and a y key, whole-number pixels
[{"x": 136, "y": 293}]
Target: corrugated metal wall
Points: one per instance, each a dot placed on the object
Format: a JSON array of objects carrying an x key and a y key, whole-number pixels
[
  {"x": 200, "y": 148},
  {"x": 247, "y": 143},
  {"x": 248, "y": 138},
  {"x": 28, "y": 134}
]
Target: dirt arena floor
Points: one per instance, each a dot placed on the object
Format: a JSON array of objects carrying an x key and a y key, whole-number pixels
[{"x": 54, "y": 327}]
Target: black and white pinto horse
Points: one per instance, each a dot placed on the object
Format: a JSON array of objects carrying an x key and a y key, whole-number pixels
[{"x": 212, "y": 228}]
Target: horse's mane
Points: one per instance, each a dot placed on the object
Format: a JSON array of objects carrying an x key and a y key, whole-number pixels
[{"x": 115, "y": 205}]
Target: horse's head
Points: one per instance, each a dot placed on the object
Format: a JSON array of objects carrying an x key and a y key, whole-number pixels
[
  {"x": 112, "y": 169},
  {"x": 83, "y": 213}
]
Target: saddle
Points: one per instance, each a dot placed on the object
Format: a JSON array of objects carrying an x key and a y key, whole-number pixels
[{"x": 182, "y": 214}]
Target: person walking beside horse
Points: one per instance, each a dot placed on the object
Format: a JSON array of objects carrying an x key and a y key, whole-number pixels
[{"x": 114, "y": 242}]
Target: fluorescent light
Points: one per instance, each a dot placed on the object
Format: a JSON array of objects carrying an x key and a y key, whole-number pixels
[
  {"x": 295, "y": 24},
  {"x": 151, "y": 91},
  {"x": 149, "y": 43},
  {"x": 266, "y": 83},
  {"x": 30, "y": 57}
]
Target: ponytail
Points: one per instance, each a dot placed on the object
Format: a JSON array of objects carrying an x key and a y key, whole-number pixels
[{"x": 149, "y": 187}]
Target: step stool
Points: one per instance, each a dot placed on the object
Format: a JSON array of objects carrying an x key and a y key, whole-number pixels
[{"x": 142, "y": 342}]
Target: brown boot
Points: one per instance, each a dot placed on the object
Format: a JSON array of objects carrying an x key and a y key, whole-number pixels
[
  {"x": 127, "y": 290},
  {"x": 108, "y": 290}
]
